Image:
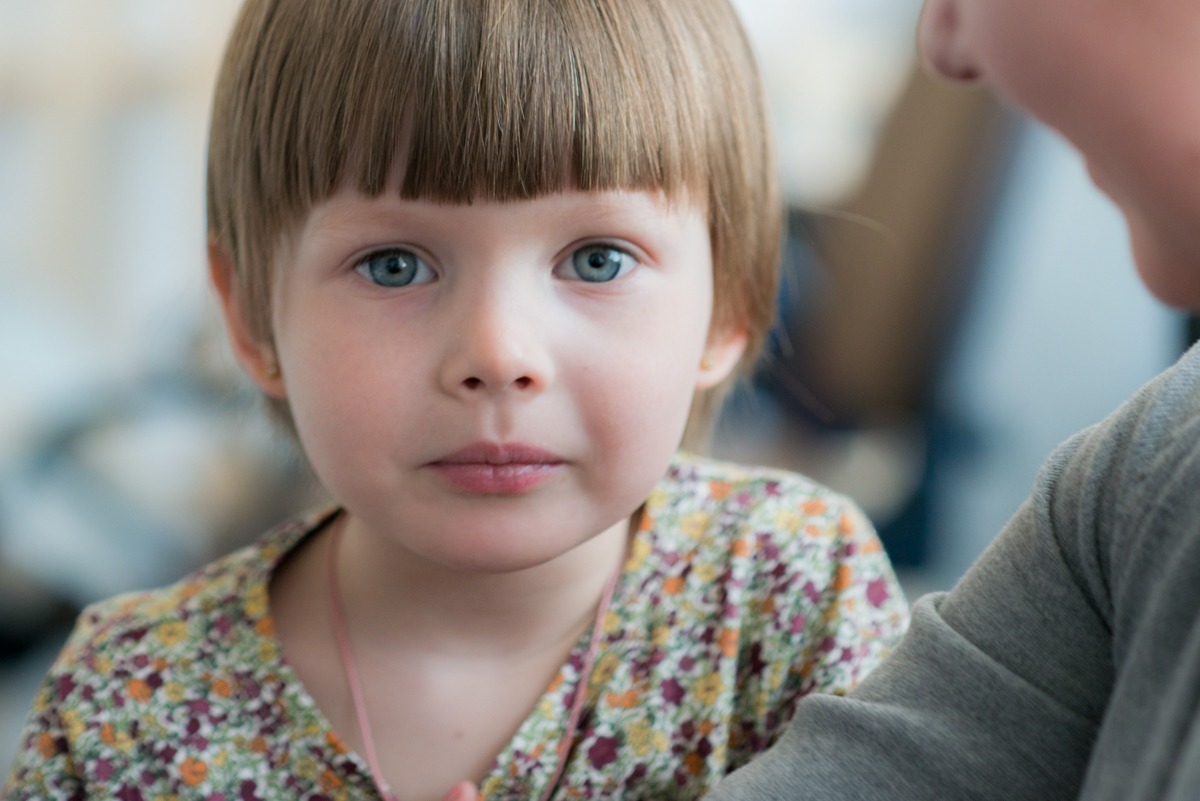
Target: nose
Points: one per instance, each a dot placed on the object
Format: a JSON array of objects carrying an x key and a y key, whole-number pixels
[
  {"x": 943, "y": 42},
  {"x": 498, "y": 346}
]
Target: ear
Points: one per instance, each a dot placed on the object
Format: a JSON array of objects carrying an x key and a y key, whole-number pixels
[
  {"x": 942, "y": 41},
  {"x": 257, "y": 358},
  {"x": 721, "y": 355}
]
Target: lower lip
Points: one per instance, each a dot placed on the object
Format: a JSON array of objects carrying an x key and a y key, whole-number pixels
[{"x": 495, "y": 479}]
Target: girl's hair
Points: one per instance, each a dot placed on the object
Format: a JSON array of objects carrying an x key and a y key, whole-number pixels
[{"x": 451, "y": 100}]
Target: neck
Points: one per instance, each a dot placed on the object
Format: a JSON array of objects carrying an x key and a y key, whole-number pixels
[{"x": 393, "y": 595}]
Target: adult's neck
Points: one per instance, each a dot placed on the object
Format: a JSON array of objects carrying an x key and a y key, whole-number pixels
[{"x": 393, "y": 595}]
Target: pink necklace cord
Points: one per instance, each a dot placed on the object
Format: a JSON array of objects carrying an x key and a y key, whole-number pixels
[{"x": 360, "y": 706}]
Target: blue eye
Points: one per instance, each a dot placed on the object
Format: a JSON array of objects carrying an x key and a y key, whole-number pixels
[
  {"x": 599, "y": 263},
  {"x": 394, "y": 268}
]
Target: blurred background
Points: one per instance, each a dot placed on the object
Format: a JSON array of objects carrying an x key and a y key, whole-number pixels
[{"x": 958, "y": 299}]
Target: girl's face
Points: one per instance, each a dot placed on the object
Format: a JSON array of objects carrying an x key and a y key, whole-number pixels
[
  {"x": 1121, "y": 80},
  {"x": 490, "y": 385}
]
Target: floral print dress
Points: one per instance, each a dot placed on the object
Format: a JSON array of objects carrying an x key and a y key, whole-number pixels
[{"x": 744, "y": 590}]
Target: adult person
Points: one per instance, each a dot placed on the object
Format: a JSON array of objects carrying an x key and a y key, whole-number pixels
[{"x": 1066, "y": 663}]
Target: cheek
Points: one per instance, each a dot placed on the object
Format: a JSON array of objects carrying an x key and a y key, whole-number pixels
[
  {"x": 636, "y": 391},
  {"x": 348, "y": 388}
]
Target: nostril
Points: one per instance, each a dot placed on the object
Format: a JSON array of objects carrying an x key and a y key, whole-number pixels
[
  {"x": 523, "y": 382},
  {"x": 472, "y": 383}
]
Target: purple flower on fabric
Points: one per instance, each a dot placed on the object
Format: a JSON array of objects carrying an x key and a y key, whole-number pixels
[
  {"x": 63, "y": 687},
  {"x": 673, "y": 692},
  {"x": 877, "y": 592},
  {"x": 127, "y": 793},
  {"x": 811, "y": 593},
  {"x": 603, "y": 752}
]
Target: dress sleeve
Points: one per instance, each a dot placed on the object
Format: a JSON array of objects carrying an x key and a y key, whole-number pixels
[
  {"x": 862, "y": 610},
  {"x": 43, "y": 768},
  {"x": 822, "y": 609}
]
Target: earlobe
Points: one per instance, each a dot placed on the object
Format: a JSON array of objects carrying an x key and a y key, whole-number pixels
[
  {"x": 257, "y": 358},
  {"x": 721, "y": 356},
  {"x": 941, "y": 41}
]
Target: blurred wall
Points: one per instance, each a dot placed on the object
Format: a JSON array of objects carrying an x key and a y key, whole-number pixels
[{"x": 1059, "y": 332}]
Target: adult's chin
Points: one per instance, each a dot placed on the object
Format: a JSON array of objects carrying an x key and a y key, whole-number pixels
[{"x": 1169, "y": 269}]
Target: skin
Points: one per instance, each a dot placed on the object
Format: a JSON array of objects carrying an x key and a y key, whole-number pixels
[
  {"x": 1118, "y": 79},
  {"x": 463, "y": 604}
]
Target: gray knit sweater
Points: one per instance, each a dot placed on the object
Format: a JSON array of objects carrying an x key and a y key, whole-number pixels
[{"x": 1065, "y": 664}]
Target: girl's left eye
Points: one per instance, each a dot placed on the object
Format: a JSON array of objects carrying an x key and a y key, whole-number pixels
[
  {"x": 597, "y": 264},
  {"x": 394, "y": 268}
]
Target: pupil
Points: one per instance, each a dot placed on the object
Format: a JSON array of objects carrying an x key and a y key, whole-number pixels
[{"x": 598, "y": 260}]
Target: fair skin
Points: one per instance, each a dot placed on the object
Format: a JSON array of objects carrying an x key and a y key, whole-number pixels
[
  {"x": 1117, "y": 78},
  {"x": 415, "y": 342}
]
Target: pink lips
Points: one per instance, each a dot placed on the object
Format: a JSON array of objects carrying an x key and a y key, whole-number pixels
[{"x": 493, "y": 469}]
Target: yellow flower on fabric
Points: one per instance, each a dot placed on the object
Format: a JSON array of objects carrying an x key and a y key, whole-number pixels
[
  {"x": 788, "y": 520},
  {"x": 657, "y": 499},
  {"x": 606, "y": 666},
  {"x": 490, "y": 786},
  {"x": 695, "y": 524},
  {"x": 637, "y": 554},
  {"x": 708, "y": 688},
  {"x": 612, "y": 622},
  {"x": 705, "y": 571},
  {"x": 73, "y": 724},
  {"x": 175, "y": 692},
  {"x": 638, "y": 736},
  {"x": 660, "y": 635},
  {"x": 267, "y": 651},
  {"x": 257, "y": 602},
  {"x": 777, "y": 675},
  {"x": 306, "y": 768},
  {"x": 220, "y": 758}
]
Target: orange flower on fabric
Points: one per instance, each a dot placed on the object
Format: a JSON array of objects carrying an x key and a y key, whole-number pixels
[
  {"x": 139, "y": 690},
  {"x": 193, "y": 771}
]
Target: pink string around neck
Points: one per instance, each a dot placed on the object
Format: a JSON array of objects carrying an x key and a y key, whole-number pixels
[{"x": 360, "y": 706}]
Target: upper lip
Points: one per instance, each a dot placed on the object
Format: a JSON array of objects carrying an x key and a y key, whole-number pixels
[{"x": 498, "y": 453}]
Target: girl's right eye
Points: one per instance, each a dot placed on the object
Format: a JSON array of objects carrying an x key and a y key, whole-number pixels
[{"x": 394, "y": 268}]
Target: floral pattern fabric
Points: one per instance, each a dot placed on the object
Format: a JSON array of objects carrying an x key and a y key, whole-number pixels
[{"x": 744, "y": 590}]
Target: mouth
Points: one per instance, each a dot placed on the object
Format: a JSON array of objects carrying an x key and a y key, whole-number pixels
[{"x": 488, "y": 468}]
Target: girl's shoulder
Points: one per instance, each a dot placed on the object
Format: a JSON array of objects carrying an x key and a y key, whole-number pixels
[
  {"x": 139, "y": 649},
  {"x": 735, "y": 507},
  {"x": 153, "y": 687},
  {"x": 209, "y": 602}
]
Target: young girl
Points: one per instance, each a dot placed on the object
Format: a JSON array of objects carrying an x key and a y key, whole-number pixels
[{"x": 491, "y": 262}]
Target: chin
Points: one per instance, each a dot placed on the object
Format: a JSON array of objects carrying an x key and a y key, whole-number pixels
[
  {"x": 497, "y": 553},
  {"x": 1171, "y": 274}
]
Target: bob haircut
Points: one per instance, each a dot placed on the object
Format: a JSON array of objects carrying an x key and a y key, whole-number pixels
[{"x": 451, "y": 100}]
